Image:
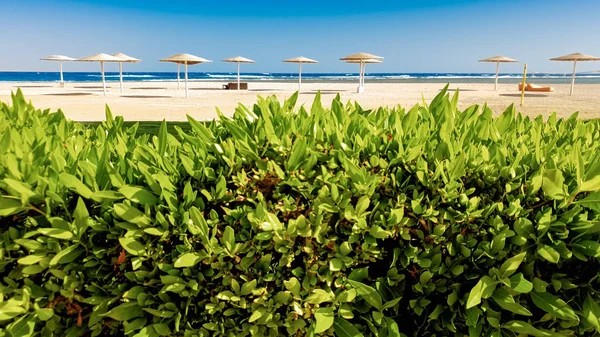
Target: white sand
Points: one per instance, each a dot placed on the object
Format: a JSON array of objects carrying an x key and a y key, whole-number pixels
[{"x": 162, "y": 100}]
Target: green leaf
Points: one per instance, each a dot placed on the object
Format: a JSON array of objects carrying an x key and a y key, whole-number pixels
[
  {"x": 102, "y": 196},
  {"x": 248, "y": 287},
  {"x": 23, "y": 327},
  {"x": 9, "y": 206},
  {"x": 591, "y": 312},
  {"x": 319, "y": 296},
  {"x": 200, "y": 222},
  {"x": 507, "y": 302},
  {"x": 9, "y": 310},
  {"x": 67, "y": 255},
  {"x": 553, "y": 184},
  {"x": 162, "y": 138},
  {"x": 483, "y": 289},
  {"x": 346, "y": 296},
  {"x": 553, "y": 305},
  {"x": 592, "y": 201},
  {"x": 590, "y": 185},
  {"x": 44, "y": 314},
  {"x": 521, "y": 327},
  {"x": 336, "y": 264},
  {"x": 22, "y": 189},
  {"x": 229, "y": 238},
  {"x": 132, "y": 246},
  {"x": 511, "y": 265},
  {"x": 125, "y": 312},
  {"x": 588, "y": 248},
  {"x": 73, "y": 183},
  {"x": 187, "y": 260},
  {"x": 343, "y": 328},
  {"x": 324, "y": 319},
  {"x": 519, "y": 284},
  {"x": 138, "y": 195},
  {"x": 293, "y": 286},
  {"x": 548, "y": 253},
  {"x": 56, "y": 233},
  {"x": 31, "y": 259},
  {"x": 369, "y": 294},
  {"x": 362, "y": 205},
  {"x": 162, "y": 329},
  {"x": 257, "y": 314},
  {"x": 132, "y": 215}
]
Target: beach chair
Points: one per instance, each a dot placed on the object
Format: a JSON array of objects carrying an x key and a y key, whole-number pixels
[
  {"x": 234, "y": 86},
  {"x": 535, "y": 88}
]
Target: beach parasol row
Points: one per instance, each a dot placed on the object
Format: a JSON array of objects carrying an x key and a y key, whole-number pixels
[
  {"x": 300, "y": 60},
  {"x": 498, "y": 60},
  {"x": 575, "y": 57},
  {"x": 361, "y": 58},
  {"x": 185, "y": 59}
]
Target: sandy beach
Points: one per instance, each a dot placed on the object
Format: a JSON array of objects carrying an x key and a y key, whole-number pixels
[{"x": 153, "y": 101}]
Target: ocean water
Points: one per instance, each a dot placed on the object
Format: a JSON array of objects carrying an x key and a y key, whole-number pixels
[{"x": 548, "y": 78}]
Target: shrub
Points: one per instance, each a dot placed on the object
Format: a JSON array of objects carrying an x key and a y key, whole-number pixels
[{"x": 284, "y": 221}]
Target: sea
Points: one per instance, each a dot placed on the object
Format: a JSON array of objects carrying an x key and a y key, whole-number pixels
[{"x": 542, "y": 78}]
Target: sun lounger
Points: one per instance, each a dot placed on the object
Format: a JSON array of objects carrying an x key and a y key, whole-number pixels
[
  {"x": 535, "y": 88},
  {"x": 233, "y": 86}
]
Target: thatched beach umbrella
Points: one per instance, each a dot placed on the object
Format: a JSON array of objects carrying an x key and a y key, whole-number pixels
[
  {"x": 124, "y": 58},
  {"x": 185, "y": 59},
  {"x": 60, "y": 59},
  {"x": 498, "y": 60},
  {"x": 361, "y": 59},
  {"x": 238, "y": 60},
  {"x": 575, "y": 57},
  {"x": 300, "y": 60},
  {"x": 364, "y": 67},
  {"x": 100, "y": 58}
]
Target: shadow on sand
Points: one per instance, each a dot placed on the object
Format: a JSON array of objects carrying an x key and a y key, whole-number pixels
[
  {"x": 459, "y": 89},
  {"x": 526, "y": 95},
  {"x": 145, "y": 96},
  {"x": 323, "y": 92},
  {"x": 70, "y": 94},
  {"x": 32, "y": 86},
  {"x": 149, "y": 88},
  {"x": 91, "y": 87}
]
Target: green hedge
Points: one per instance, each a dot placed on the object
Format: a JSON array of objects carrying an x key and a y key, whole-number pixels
[{"x": 283, "y": 221}]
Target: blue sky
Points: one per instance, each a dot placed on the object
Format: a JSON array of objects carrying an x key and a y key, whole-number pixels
[{"x": 413, "y": 36}]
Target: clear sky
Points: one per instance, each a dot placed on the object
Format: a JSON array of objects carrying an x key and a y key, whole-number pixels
[{"x": 413, "y": 36}]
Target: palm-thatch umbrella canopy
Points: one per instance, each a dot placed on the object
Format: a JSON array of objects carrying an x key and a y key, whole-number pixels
[
  {"x": 498, "y": 60},
  {"x": 238, "y": 60},
  {"x": 100, "y": 58},
  {"x": 300, "y": 60},
  {"x": 185, "y": 59},
  {"x": 575, "y": 57},
  {"x": 364, "y": 67},
  {"x": 124, "y": 58},
  {"x": 60, "y": 59},
  {"x": 361, "y": 58}
]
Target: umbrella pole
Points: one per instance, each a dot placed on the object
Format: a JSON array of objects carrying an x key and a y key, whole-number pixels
[
  {"x": 573, "y": 78},
  {"x": 121, "y": 75},
  {"x": 299, "y": 76},
  {"x": 178, "y": 85},
  {"x": 62, "y": 82},
  {"x": 524, "y": 84},
  {"x": 238, "y": 87},
  {"x": 186, "y": 82},
  {"x": 103, "y": 80},
  {"x": 496, "y": 82},
  {"x": 364, "y": 73}
]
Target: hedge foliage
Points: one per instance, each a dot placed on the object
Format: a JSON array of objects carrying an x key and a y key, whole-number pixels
[{"x": 283, "y": 221}]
